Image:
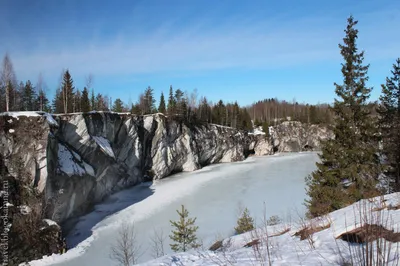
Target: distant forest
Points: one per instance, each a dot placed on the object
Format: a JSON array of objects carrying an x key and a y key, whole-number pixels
[{"x": 25, "y": 96}]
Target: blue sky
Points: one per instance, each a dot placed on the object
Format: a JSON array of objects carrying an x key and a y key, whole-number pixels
[{"x": 230, "y": 50}]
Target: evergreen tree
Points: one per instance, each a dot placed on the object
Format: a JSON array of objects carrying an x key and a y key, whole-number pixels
[
  {"x": 42, "y": 102},
  {"x": 135, "y": 109},
  {"x": 93, "y": 106},
  {"x": 100, "y": 103},
  {"x": 21, "y": 90},
  {"x": 28, "y": 97},
  {"x": 389, "y": 123},
  {"x": 184, "y": 234},
  {"x": 171, "y": 101},
  {"x": 67, "y": 92},
  {"x": 85, "y": 104},
  {"x": 219, "y": 113},
  {"x": 204, "y": 110},
  {"x": 149, "y": 101},
  {"x": 161, "y": 107},
  {"x": 77, "y": 101},
  {"x": 349, "y": 166},
  {"x": 118, "y": 106},
  {"x": 57, "y": 105},
  {"x": 245, "y": 223}
]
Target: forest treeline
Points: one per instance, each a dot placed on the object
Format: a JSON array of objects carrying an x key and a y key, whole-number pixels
[{"x": 27, "y": 96}]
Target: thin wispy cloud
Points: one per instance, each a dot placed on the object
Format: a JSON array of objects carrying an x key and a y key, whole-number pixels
[
  {"x": 247, "y": 44},
  {"x": 150, "y": 42}
]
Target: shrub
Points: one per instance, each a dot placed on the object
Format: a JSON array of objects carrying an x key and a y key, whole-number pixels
[{"x": 245, "y": 223}]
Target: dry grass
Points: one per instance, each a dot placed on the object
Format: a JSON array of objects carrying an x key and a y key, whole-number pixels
[
  {"x": 369, "y": 233},
  {"x": 308, "y": 231}
]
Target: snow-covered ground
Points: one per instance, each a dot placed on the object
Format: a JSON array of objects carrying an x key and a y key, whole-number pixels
[
  {"x": 323, "y": 247},
  {"x": 211, "y": 194}
]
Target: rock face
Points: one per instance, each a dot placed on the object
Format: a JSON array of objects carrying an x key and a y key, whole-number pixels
[
  {"x": 293, "y": 136},
  {"x": 289, "y": 136},
  {"x": 76, "y": 160}
]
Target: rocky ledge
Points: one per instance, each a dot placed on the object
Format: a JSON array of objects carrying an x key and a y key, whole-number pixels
[{"x": 73, "y": 161}]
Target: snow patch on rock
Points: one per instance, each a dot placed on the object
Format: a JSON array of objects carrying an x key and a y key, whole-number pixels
[
  {"x": 67, "y": 162},
  {"x": 104, "y": 145}
]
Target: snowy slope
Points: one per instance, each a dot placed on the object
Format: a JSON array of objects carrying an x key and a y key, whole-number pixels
[{"x": 323, "y": 247}]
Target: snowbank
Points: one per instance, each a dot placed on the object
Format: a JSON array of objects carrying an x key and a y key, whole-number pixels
[{"x": 322, "y": 247}]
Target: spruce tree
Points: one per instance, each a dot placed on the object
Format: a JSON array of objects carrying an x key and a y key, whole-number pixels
[
  {"x": 161, "y": 107},
  {"x": 389, "y": 123},
  {"x": 171, "y": 101},
  {"x": 67, "y": 92},
  {"x": 245, "y": 223},
  {"x": 57, "y": 105},
  {"x": 135, "y": 109},
  {"x": 349, "y": 165},
  {"x": 184, "y": 232},
  {"x": 149, "y": 101},
  {"x": 28, "y": 97},
  {"x": 100, "y": 103},
  {"x": 93, "y": 106},
  {"x": 85, "y": 103},
  {"x": 77, "y": 101},
  {"x": 118, "y": 106}
]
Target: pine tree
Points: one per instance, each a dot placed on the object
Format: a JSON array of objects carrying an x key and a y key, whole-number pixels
[
  {"x": 184, "y": 235},
  {"x": 349, "y": 165},
  {"x": 118, "y": 106},
  {"x": 85, "y": 104},
  {"x": 161, "y": 107},
  {"x": 171, "y": 102},
  {"x": 67, "y": 92},
  {"x": 245, "y": 223},
  {"x": 389, "y": 123}
]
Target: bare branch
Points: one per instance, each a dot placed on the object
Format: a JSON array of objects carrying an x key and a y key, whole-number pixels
[{"x": 126, "y": 250}]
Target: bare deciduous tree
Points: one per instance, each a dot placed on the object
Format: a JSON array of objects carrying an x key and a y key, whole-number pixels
[
  {"x": 157, "y": 243},
  {"x": 89, "y": 81},
  {"x": 40, "y": 87},
  {"x": 7, "y": 79},
  {"x": 126, "y": 250}
]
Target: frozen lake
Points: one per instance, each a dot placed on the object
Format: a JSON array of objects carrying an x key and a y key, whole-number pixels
[{"x": 211, "y": 194}]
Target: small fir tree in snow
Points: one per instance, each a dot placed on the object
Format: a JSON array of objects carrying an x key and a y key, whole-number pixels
[
  {"x": 184, "y": 232},
  {"x": 245, "y": 223}
]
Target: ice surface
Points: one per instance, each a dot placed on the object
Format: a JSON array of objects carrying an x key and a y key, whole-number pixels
[
  {"x": 104, "y": 145},
  {"x": 211, "y": 194}
]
